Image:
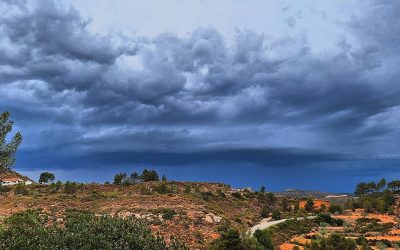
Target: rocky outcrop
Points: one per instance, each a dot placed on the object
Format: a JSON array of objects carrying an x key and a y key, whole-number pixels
[{"x": 212, "y": 218}]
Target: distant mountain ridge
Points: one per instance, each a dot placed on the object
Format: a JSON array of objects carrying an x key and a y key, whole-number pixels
[{"x": 298, "y": 193}]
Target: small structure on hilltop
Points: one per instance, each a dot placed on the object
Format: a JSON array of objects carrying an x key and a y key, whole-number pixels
[{"x": 13, "y": 181}]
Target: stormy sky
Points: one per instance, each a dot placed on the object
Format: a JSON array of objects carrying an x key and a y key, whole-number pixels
[{"x": 286, "y": 94}]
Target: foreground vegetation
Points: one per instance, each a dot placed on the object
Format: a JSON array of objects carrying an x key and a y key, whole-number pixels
[{"x": 31, "y": 230}]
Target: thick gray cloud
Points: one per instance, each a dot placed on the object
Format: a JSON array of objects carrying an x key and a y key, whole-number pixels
[{"x": 71, "y": 89}]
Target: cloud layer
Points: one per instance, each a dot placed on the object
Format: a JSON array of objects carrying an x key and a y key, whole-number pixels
[{"x": 72, "y": 90}]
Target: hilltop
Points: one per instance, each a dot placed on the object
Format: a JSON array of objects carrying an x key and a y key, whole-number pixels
[
  {"x": 6, "y": 174},
  {"x": 191, "y": 211}
]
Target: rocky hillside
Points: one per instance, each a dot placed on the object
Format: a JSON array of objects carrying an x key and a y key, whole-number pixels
[
  {"x": 5, "y": 174},
  {"x": 191, "y": 212}
]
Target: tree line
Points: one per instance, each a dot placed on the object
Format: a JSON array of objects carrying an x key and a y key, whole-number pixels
[
  {"x": 376, "y": 196},
  {"x": 146, "y": 176}
]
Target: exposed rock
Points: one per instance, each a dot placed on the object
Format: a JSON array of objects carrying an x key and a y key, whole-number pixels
[{"x": 212, "y": 218}]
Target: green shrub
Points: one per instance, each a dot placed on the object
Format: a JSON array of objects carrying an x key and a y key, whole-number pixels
[
  {"x": 71, "y": 187},
  {"x": 206, "y": 196},
  {"x": 326, "y": 218},
  {"x": 162, "y": 188},
  {"x": 335, "y": 209},
  {"x": 28, "y": 230},
  {"x": 145, "y": 191},
  {"x": 228, "y": 240},
  {"x": 237, "y": 195},
  {"x": 284, "y": 231},
  {"x": 168, "y": 214},
  {"x": 21, "y": 189},
  {"x": 264, "y": 238},
  {"x": 264, "y": 212},
  {"x": 4, "y": 189},
  {"x": 364, "y": 225},
  {"x": 334, "y": 241},
  {"x": 221, "y": 193},
  {"x": 276, "y": 215}
]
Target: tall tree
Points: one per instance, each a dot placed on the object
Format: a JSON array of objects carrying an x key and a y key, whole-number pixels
[
  {"x": 394, "y": 185},
  {"x": 46, "y": 177},
  {"x": 381, "y": 184},
  {"x": 361, "y": 189},
  {"x": 119, "y": 178},
  {"x": 7, "y": 150},
  {"x": 134, "y": 178}
]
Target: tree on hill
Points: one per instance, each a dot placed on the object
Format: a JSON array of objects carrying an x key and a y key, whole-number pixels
[
  {"x": 134, "y": 178},
  {"x": 149, "y": 175},
  {"x": 119, "y": 178},
  {"x": 46, "y": 177},
  {"x": 7, "y": 150},
  {"x": 309, "y": 205},
  {"x": 376, "y": 197},
  {"x": 394, "y": 185},
  {"x": 361, "y": 189},
  {"x": 369, "y": 188},
  {"x": 381, "y": 185}
]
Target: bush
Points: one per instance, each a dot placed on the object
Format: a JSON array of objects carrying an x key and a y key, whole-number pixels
[
  {"x": 326, "y": 218},
  {"x": 364, "y": 225},
  {"x": 149, "y": 175},
  {"x": 71, "y": 187},
  {"x": 28, "y": 230},
  {"x": 309, "y": 207},
  {"x": 264, "y": 212},
  {"x": 335, "y": 209},
  {"x": 228, "y": 240},
  {"x": 21, "y": 189},
  {"x": 4, "y": 190},
  {"x": 162, "y": 188},
  {"x": 237, "y": 195},
  {"x": 119, "y": 178},
  {"x": 334, "y": 241},
  {"x": 188, "y": 189},
  {"x": 231, "y": 239},
  {"x": 54, "y": 187},
  {"x": 276, "y": 215},
  {"x": 145, "y": 190},
  {"x": 167, "y": 213},
  {"x": 206, "y": 196},
  {"x": 284, "y": 231},
  {"x": 264, "y": 238},
  {"x": 220, "y": 193}
]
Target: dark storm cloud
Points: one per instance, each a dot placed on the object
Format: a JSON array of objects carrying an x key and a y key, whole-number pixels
[
  {"x": 50, "y": 32},
  {"x": 275, "y": 157},
  {"x": 174, "y": 94}
]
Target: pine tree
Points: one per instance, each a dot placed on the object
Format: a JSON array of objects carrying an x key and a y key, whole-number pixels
[{"x": 7, "y": 150}]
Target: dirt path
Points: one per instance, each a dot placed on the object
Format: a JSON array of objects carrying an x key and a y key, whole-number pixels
[{"x": 266, "y": 223}]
